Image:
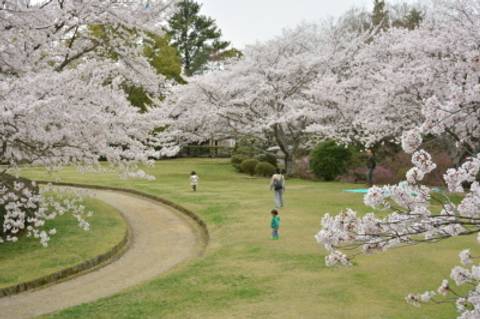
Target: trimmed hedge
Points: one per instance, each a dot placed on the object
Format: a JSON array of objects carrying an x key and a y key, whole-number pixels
[
  {"x": 237, "y": 160},
  {"x": 248, "y": 166},
  {"x": 269, "y": 158},
  {"x": 264, "y": 169},
  {"x": 245, "y": 150},
  {"x": 205, "y": 151}
]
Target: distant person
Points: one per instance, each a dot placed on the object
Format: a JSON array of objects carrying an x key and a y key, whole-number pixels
[
  {"x": 371, "y": 164},
  {"x": 277, "y": 184},
  {"x": 275, "y": 224},
  {"x": 194, "y": 181}
]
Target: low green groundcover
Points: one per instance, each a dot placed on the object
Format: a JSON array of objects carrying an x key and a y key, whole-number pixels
[{"x": 245, "y": 274}]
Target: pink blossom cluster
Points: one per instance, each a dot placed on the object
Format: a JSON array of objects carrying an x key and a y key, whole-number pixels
[
  {"x": 410, "y": 218},
  {"x": 28, "y": 211},
  {"x": 467, "y": 305}
]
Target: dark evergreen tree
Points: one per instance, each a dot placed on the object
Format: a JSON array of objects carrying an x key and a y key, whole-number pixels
[
  {"x": 411, "y": 21},
  {"x": 380, "y": 16},
  {"x": 196, "y": 37}
]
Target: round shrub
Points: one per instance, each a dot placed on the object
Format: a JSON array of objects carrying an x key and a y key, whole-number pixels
[
  {"x": 329, "y": 160},
  {"x": 237, "y": 159},
  {"x": 264, "y": 169},
  {"x": 245, "y": 150},
  {"x": 269, "y": 158},
  {"x": 248, "y": 166}
]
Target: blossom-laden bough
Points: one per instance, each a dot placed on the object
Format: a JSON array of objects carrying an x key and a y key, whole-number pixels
[
  {"x": 266, "y": 94},
  {"x": 63, "y": 68},
  {"x": 26, "y": 209},
  {"x": 402, "y": 86},
  {"x": 413, "y": 220}
]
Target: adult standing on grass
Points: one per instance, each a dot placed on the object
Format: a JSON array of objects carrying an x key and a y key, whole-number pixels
[
  {"x": 371, "y": 164},
  {"x": 277, "y": 184}
]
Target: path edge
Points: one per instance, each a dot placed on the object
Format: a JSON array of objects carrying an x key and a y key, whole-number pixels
[{"x": 114, "y": 253}]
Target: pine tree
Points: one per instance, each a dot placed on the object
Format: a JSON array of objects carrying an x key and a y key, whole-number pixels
[
  {"x": 404, "y": 15},
  {"x": 196, "y": 37},
  {"x": 413, "y": 19},
  {"x": 380, "y": 16}
]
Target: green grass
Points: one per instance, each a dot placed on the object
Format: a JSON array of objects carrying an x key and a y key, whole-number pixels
[
  {"x": 27, "y": 260},
  {"x": 246, "y": 275}
]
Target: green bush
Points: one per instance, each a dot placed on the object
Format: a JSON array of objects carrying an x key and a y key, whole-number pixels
[
  {"x": 267, "y": 157},
  {"x": 245, "y": 150},
  {"x": 329, "y": 160},
  {"x": 251, "y": 148},
  {"x": 358, "y": 156},
  {"x": 237, "y": 160},
  {"x": 264, "y": 169},
  {"x": 206, "y": 151},
  {"x": 248, "y": 166}
]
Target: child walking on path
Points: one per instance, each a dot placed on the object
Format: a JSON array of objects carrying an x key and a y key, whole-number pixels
[
  {"x": 275, "y": 224},
  {"x": 194, "y": 180}
]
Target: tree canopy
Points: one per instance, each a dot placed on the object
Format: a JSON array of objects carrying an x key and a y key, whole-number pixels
[{"x": 64, "y": 67}]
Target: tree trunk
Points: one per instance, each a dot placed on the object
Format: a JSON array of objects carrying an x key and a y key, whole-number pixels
[
  {"x": 289, "y": 162},
  {"x": 287, "y": 148},
  {"x": 188, "y": 62}
]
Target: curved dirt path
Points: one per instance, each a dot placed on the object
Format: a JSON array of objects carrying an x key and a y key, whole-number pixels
[{"x": 161, "y": 238}]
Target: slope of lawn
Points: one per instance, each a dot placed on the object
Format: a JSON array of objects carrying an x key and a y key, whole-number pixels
[
  {"x": 246, "y": 275},
  {"x": 27, "y": 260}
]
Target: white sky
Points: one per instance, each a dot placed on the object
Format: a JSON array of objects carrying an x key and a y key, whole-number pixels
[{"x": 246, "y": 21}]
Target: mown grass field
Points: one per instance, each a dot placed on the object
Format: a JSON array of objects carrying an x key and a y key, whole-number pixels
[
  {"x": 244, "y": 274},
  {"x": 28, "y": 260}
]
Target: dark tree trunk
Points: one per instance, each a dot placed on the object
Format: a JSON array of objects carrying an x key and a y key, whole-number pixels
[{"x": 289, "y": 162}]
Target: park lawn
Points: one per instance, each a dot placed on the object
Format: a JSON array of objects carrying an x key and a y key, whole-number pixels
[
  {"x": 244, "y": 274},
  {"x": 28, "y": 260}
]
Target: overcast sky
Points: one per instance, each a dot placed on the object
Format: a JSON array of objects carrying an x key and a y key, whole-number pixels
[{"x": 246, "y": 21}]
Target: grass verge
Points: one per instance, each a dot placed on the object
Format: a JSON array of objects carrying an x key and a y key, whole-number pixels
[
  {"x": 246, "y": 275},
  {"x": 27, "y": 260}
]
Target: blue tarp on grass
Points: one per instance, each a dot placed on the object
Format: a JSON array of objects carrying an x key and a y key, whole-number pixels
[
  {"x": 365, "y": 190},
  {"x": 357, "y": 190}
]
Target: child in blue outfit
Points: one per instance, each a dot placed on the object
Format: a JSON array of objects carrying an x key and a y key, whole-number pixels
[{"x": 275, "y": 224}]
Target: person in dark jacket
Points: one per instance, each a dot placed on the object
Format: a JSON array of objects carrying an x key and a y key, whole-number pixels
[{"x": 371, "y": 164}]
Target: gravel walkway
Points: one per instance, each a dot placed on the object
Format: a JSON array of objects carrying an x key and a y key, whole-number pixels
[{"x": 161, "y": 239}]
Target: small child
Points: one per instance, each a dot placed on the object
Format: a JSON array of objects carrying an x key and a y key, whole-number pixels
[
  {"x": 194, "y": 180},
  {"x": 275, "y": 224}
]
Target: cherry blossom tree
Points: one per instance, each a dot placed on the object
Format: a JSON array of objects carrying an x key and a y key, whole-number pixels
[
  {"x": 266, "y": 94},
  {"x": 401, "y": 75},
  {"x": 63, "y": 66},
  {"x": 55, "y": 33},
  {"x": 424, "y": 82}
]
